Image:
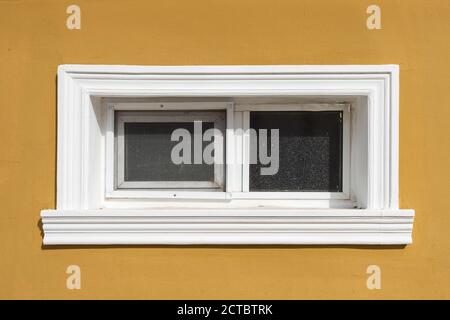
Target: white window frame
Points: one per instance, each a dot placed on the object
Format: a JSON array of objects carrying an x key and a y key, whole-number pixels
[
  {"x": 87, "y": 214},
  {"x": 113, "y": 193},
  {"x": 239, "y": 147},
  {"x": 246, "y": 109},
  {"x": 117, "y": 170}
]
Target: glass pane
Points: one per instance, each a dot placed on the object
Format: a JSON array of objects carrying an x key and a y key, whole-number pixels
[
  {"x": 310, "y": 151},
  {"x": 148, "y": 153}
]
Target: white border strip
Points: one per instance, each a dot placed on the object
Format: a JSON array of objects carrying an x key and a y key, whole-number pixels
[{"x": 227, "y": 226}]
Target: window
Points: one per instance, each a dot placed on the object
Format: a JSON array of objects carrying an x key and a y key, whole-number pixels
[
  {"x": 313, "y": 150},
  {"x": 309, "y": 152},
  {"x": 167, "y": 149},
  {"x": 279, "y": 150},
  {"x": 144, "y": 147},
  {"x": 227, "y": 155}
]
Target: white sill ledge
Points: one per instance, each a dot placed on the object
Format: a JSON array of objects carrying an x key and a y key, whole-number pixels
[{"x": 228, "y": 226}]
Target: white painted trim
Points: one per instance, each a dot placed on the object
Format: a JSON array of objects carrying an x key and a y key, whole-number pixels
[
  {"x": 291, "y": 107},
  {"x": 245, "y": 226},
  {"x": 245, "y": 151},
  {"x": 172, "y": 106},
  {"x": 81, "y": 178},
  {"x": 162, "y": 116},
  {"x": 346, "y": 152},
  {"x": 115, "y": 71},
  {"x": 202, "y": 189},
  {"x": 248, "y": 108},
  {"x": 230, "y": 155}
]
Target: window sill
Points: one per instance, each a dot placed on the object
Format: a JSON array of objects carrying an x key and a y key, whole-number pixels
[{"x": 255, "y": 226}]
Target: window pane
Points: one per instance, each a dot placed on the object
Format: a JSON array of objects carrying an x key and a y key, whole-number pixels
[
  {"x": 310, "y": 151},
  {"x": 148, "y": 153}
]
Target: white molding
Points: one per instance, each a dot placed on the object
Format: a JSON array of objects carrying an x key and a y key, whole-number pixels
[
  {"x": 81, "y": 181},
  {"x": 251, "y": 226}
]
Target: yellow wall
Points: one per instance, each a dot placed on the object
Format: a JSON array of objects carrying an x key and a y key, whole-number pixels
[{"x": 34, "y": 41}]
